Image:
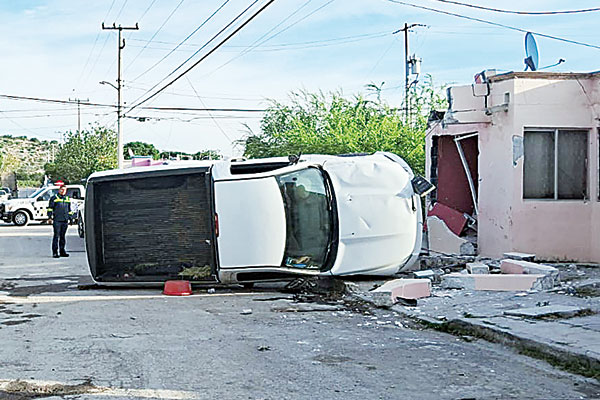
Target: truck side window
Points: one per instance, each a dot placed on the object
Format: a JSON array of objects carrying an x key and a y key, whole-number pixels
[
  {"x": 73, "y": 193},
  {"x": 47, "y": 195}
]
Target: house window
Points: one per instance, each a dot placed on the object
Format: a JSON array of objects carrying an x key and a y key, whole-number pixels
[{"x": 555, "y": 164}]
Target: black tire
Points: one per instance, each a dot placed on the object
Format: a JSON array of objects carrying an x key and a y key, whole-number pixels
[
  {"x": 21, "y": 218},
  {"x": 80, "y": 227}
]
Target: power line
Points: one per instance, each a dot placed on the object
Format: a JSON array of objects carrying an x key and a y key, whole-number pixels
[
  {"x": 182, "y": 42},
  {"x": 94, "y": 45},
  {"x": 197, "y": 51},
  {"x": 494, "y": 24},
  {"x": 209, "y": 113},
  {"x": 259, "y": 11},
  {"x": 304, "y": 43},
  {"x": 154, "y": 35},
  {"x": 85, "y": 103},
  {"x": 254, "y": 45},
  {"x": 585, "y": 10}
]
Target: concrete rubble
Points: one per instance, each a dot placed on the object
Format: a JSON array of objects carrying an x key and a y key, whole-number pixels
[{"x": 551, "y": 312}]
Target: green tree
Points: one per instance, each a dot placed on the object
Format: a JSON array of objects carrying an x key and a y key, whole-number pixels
[
  {"x": 83, "y": 153},
  {"x": 140, "y": 149},
  {"x": 332, "y": 124}
]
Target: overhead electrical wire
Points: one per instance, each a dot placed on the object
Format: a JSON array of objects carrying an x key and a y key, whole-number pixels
[
  {"x": 197, "y": 51},
  {"x": 254, "y": 45},
  {"x": 209, "y": 113},
  {"x": 94, "y": 45},
  {"x": 494, "y": 24},
  {"x": 154, "y": 35},
  {"x": 182, "y": 42},
  {"x": 343, "y": 39},
  {"x": 235, "y": 31},
  {"x": 585, "y": 10},
  {"x": 130, "y": 33},
  {"x": 86, "y": 103}
]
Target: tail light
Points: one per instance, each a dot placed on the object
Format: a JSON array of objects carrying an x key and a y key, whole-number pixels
[{"x": 217, "y": 224}]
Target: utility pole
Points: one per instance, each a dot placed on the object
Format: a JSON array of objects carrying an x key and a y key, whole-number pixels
[
  {"x": 120, "y": 47},
  {"x": 407, "y": 67},
  {"x": 79, "y": 112}
]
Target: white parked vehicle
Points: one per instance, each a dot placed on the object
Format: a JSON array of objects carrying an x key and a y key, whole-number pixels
[
  {"x": 34, "y": 207},
  {"x": 254, "y": 220}
]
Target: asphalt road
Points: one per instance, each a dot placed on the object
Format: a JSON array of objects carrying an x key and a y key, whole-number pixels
[{"x": 138, "y": 344}]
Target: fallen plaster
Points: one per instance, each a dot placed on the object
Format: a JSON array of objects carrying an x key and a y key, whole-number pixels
[
  {"x": 443, "y": 240},
  {"x": 508, "y": 266},
  {"x": 496, "y": 282},
  {"x": 409, "y": 289}
]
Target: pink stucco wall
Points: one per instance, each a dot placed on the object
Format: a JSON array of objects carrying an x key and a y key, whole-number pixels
[{"x": 562, "y": 229}]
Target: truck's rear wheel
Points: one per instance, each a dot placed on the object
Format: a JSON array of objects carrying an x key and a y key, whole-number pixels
[
  {"x": 21, "y": 218},
  {"x": 80, "y": 227}
]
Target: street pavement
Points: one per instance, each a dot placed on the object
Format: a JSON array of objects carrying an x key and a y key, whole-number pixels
[{"x": 65, "y": 342}]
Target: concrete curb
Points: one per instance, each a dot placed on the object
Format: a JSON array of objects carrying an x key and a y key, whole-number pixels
[{"x": 563, "y": 357}]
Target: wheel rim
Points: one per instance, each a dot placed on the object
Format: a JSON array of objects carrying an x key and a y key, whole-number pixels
[{"x": 20, "y": 218}]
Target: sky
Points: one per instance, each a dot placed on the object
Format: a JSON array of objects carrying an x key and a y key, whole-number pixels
[{"x": 57, "y": 49}]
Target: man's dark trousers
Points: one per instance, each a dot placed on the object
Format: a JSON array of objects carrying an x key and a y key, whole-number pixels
[{"x": 60, "y": 230}]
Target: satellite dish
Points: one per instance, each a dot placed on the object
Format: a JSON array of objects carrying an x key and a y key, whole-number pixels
[{"x": 531, "y": 51}]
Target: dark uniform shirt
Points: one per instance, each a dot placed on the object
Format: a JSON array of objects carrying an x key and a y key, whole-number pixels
[{"x": 59, "y": 208}]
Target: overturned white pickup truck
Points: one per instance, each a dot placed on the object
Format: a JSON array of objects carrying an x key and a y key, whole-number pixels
[{"x": 254, "y": 220}]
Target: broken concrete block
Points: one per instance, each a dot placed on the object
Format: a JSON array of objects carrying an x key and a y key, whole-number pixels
[
  {"x": 396, "y": 289},
  {"x": 513, "y": 255},
  {"x": 427, "y": 274},
  {"x": 478, "y": 268},
  {"x": 442, "y": 239},
  {"x": 547, "y": 311},
  {"x": 509, "y": 266},
  {"x": 504, "y": 282},
  {"x": 468, "y": 249}
]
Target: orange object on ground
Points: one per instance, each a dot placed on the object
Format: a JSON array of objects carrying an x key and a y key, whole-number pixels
[{"x": 177, "y": 288}]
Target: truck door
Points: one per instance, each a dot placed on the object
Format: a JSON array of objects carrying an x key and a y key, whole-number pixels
[{"x": 40, "y": 205}]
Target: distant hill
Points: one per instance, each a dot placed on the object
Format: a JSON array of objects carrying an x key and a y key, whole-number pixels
[{"x": 26, "y": 156}]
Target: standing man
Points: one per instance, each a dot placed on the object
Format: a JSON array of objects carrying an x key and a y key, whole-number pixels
[{"x": 59, "y": 212}]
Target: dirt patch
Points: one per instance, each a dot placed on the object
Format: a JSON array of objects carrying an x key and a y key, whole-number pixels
[{"x": 22, "y": 390}]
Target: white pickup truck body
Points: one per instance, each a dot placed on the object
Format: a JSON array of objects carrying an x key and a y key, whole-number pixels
[
  {"x": 34, "y": 208},
  {"x": 254, "y": 220}
]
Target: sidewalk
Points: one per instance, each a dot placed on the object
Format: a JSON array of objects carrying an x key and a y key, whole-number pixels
[{"x": 562, "y": 329}]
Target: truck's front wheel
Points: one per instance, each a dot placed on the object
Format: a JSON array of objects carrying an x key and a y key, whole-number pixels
[{"x": 21, "y": 218}]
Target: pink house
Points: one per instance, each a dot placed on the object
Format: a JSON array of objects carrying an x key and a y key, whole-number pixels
[{"x": 519, "y": 152}]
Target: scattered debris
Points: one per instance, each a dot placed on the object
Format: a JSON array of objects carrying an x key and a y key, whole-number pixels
[
  {"x": 513, "y": 255},
  {"x": 263, "y": 348},
  {"x": 509, "y": 266},
  {"x": 504, "y": 282},
  {"x": 443, "y": 240},
  {"x": 196, "y": 273},
  {"x": 246, "y": 311},
  {"x": 407, "y": 289},
  {"x": 544, "y": 312},
  {"x": 478, "y": 268}
]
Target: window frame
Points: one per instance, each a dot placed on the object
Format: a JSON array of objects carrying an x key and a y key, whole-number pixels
[{"x": 556, "y": 132}]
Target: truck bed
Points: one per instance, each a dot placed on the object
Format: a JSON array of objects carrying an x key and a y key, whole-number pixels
[{"x": 151, "y": 226}]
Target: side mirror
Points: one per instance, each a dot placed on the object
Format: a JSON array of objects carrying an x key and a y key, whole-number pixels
[{"x": 421, "y": 186}]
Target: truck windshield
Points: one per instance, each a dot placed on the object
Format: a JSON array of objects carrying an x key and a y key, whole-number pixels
[
  {"x": 309, "y": 218},
  {"x": 34, "y": 194}
]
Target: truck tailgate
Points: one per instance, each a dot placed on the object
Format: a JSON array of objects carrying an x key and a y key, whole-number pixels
[{"x": 151, "y": 226}]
